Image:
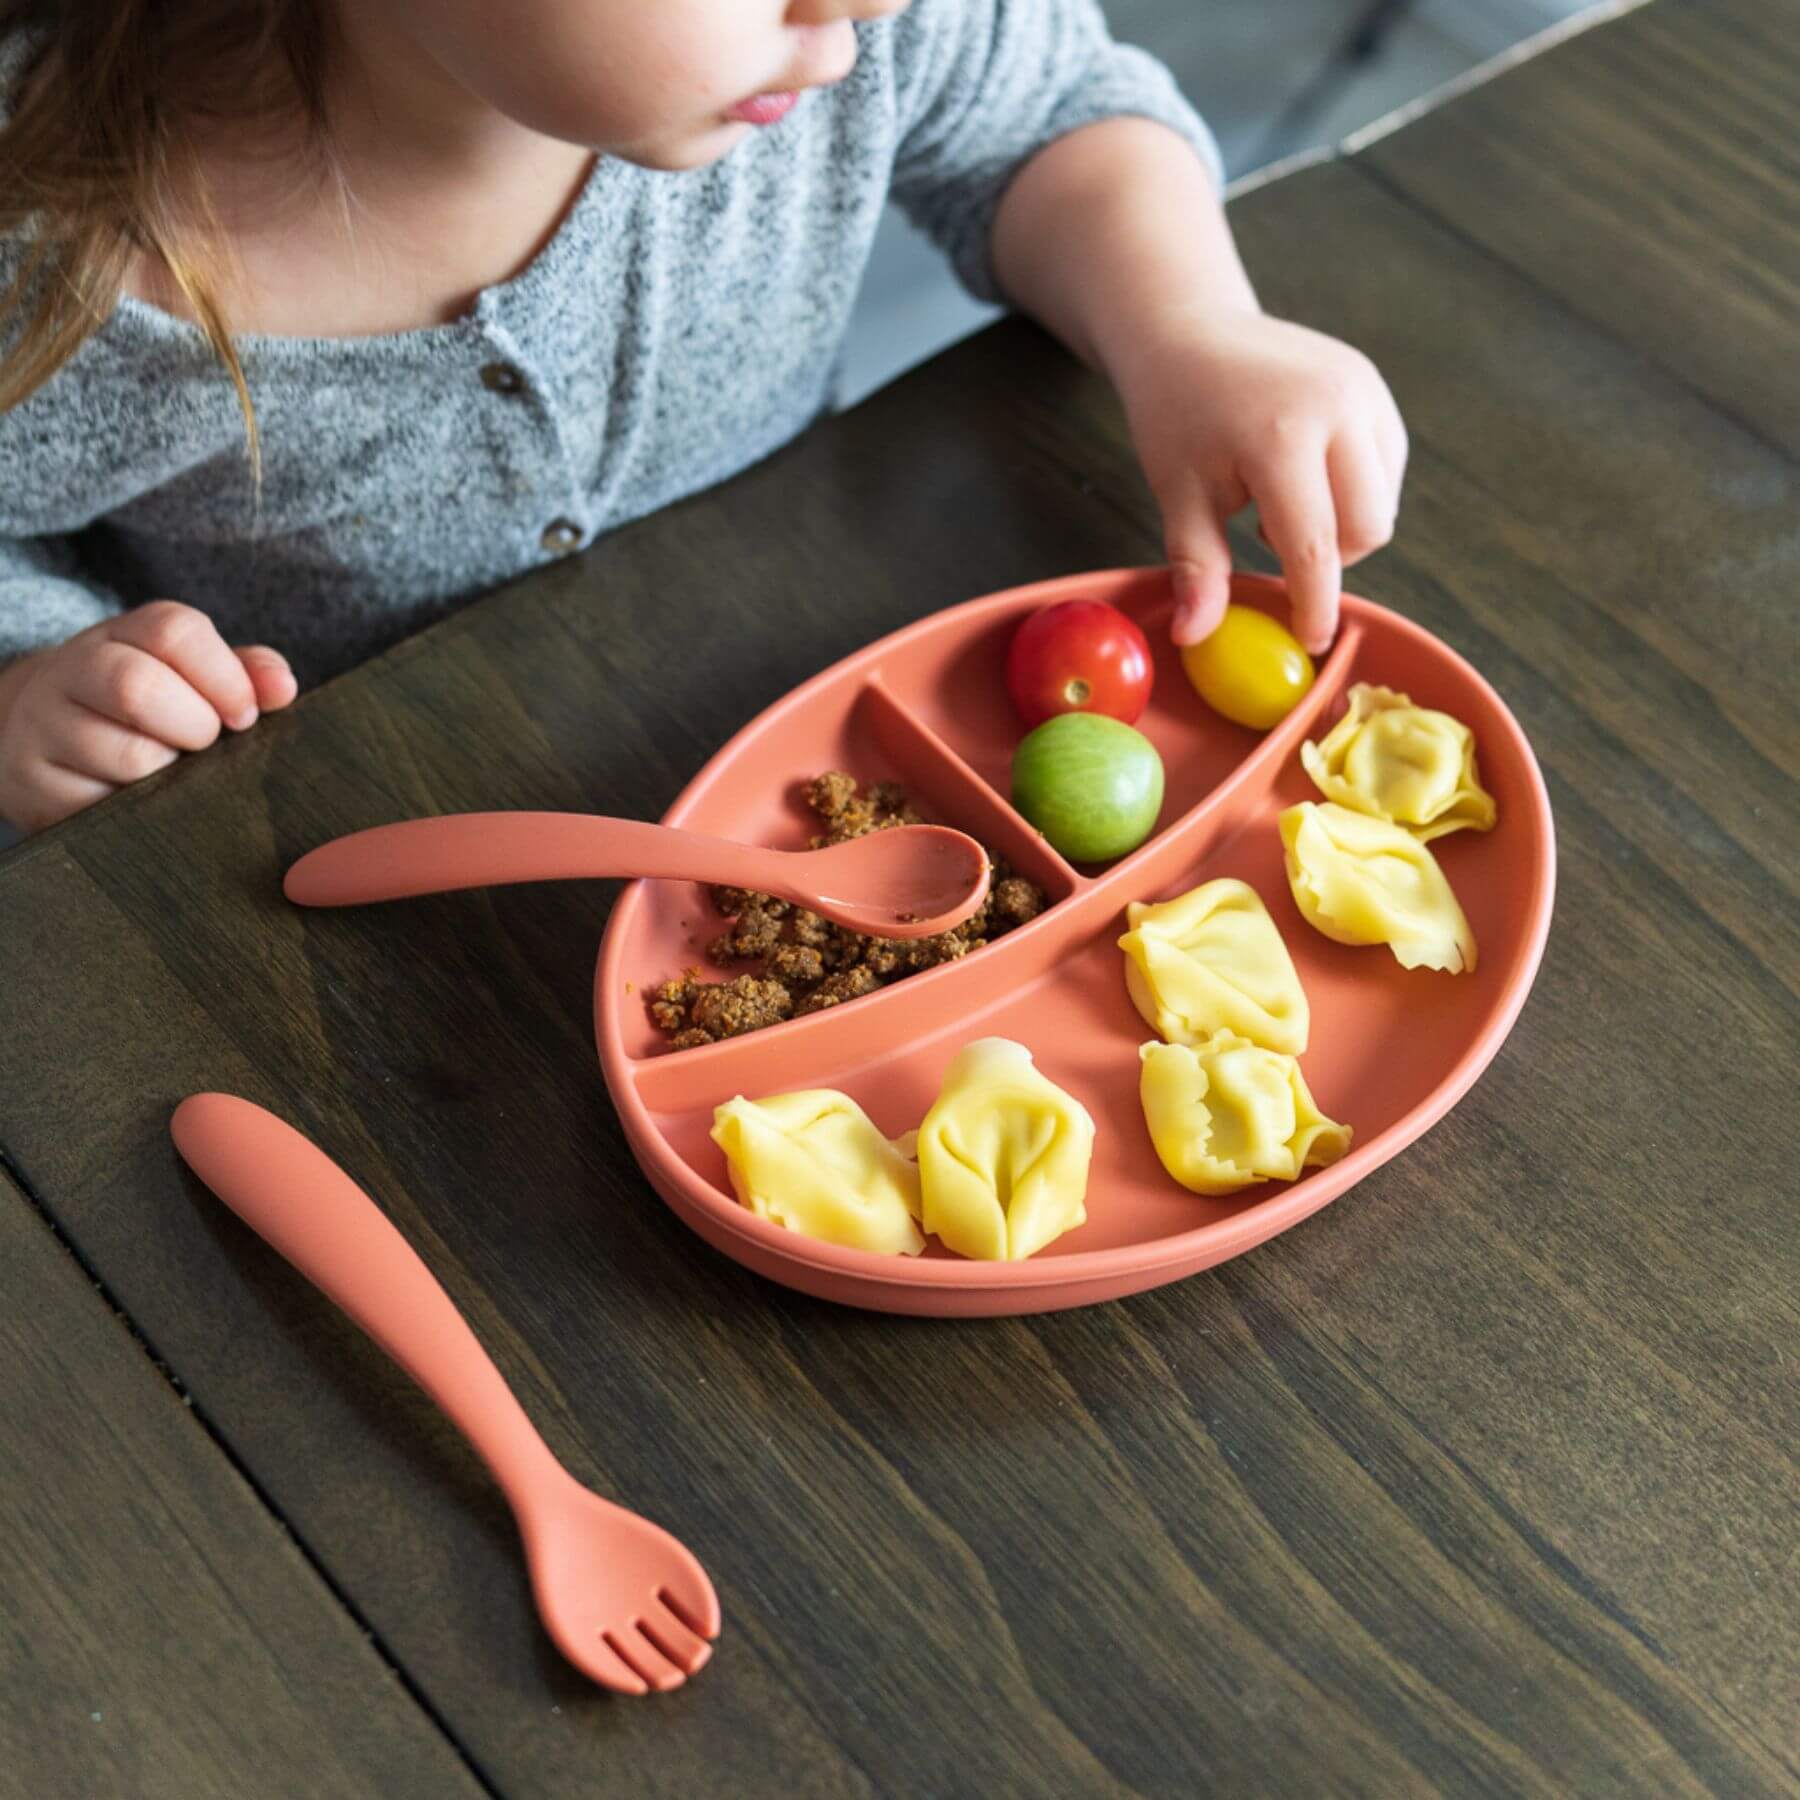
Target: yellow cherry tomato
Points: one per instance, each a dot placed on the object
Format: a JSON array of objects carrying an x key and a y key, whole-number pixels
[{"x": 1251, "y": 669}]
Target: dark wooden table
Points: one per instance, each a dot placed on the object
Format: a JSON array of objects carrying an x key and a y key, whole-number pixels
[{"x": 1482, "y": 1481}]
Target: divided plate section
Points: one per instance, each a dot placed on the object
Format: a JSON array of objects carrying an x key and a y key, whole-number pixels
[{"x": 954, "y": 684}]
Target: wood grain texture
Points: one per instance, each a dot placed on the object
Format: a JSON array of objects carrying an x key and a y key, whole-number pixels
[
  {"x": 1648, "y": 177},
  {"x": 161, "y": 1637},
  {"x": 1480, "y": 1482}
]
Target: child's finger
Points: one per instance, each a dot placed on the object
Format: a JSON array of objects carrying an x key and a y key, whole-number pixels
[
  {"x": 84, "y": 743},
  {"x": 1363, "y": 495},
  {"x": 1391, "y": 441},
  {"x": 126, "y": 684},
  {"x": 187, "y": 640},
  {"x": 270, "y": 675},
  {"x": 54, "y": 794},
  {"x": 1299, "y": 519},
  {"x": 1199, "y": 563}
]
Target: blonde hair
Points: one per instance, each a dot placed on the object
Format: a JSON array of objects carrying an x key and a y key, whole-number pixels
[{"x": 98, "y": 160}]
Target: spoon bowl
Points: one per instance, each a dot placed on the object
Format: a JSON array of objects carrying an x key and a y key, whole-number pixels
[{"x": 910, "y": 881}]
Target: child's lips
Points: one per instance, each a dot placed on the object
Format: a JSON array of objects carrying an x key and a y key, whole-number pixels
[
  {"x": 766, "y": 109},
  {"x": 831, "y": 56}
]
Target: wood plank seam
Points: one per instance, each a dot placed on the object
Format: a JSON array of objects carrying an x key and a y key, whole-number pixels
[{"x": 10, "y": 1171}]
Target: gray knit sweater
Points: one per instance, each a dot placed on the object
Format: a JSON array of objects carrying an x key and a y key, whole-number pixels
[{"x": 677, "y": 328}]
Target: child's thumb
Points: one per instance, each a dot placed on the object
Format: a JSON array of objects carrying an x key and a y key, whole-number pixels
[{"x": 269, "y": 675}]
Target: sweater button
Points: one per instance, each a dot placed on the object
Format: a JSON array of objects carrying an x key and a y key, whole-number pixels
[
  {"x": 561, "y": 536},
  {"x": 501, "y": 378}
]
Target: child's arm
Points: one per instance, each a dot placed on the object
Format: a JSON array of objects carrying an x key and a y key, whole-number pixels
[
  {"x": 1113, "y": 236},
  {"x": 112, "y": 703}
]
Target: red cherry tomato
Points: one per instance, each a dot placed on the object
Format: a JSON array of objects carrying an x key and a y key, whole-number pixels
[{"x": 1079, "y": 656}]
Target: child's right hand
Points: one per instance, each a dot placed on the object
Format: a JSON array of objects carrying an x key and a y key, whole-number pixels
[{"x": 121, "y": 700}]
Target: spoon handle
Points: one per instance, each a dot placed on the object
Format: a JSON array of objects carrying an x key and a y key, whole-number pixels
[
  {"x": 299, "y": 1201},
  {"x": 465, "y": 850}
]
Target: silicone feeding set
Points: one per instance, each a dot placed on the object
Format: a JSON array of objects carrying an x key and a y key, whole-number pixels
[
  {"x": 934, "y": 1093},
  {"x": 1013, "y": 1142}
]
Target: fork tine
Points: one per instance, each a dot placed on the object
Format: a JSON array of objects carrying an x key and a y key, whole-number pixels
[
  {"x": 633, "y": 1648},
  {"x": 602, "y": 1663},
  {"x": 686, "y": 1649},
  {"x": 695, "y": 1603}
]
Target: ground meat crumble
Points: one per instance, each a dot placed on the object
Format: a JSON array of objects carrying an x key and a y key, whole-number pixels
[{"x": 807, "y": 963}]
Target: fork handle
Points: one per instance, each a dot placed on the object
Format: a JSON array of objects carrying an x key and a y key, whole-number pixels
[{"x": 297, "y": 1199}]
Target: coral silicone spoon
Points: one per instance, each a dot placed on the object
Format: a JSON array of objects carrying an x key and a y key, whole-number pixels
[
  {"x": 626, "y": 1603},
  {"x": 911, "y": 881}
]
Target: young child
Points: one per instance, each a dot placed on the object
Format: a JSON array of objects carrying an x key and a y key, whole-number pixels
[{"x": 318, "y": 317}]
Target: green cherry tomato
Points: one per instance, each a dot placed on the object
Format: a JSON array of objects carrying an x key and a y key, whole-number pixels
[
  {"x": 1091, "y": 785},
  {"x": 1251, "y": 669}
]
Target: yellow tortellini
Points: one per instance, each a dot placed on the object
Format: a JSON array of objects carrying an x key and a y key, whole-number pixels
[
  {"x": 1403, "y": 763},
  {"x": 1366, "y": 881},
  {"x": 815, "y": 1162},
  {"x": 1227, "y": 1113},
  {"x": 1003, "y": 1155},
  {"x": 1212, "y": 960}
]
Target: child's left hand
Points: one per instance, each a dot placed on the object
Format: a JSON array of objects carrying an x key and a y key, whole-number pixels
[{"x": 1231, "y": 407}]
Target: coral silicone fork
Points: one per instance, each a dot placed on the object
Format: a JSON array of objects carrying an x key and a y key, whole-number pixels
[{"x": 626, "y": 1603}]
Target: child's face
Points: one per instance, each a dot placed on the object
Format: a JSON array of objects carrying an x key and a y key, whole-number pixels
[{"x": 652, "y": 81}]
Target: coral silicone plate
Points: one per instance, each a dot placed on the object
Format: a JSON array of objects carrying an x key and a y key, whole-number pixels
[{"x": 1391, "y": 1050}]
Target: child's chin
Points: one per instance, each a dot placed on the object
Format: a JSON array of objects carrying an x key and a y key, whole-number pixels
[{"x": 672, "y": 155}]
